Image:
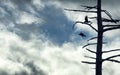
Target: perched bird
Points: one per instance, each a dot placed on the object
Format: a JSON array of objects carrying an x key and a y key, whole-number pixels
[
  {"x": 86, "y": 19},
  {"x": 82, "y": 34}
]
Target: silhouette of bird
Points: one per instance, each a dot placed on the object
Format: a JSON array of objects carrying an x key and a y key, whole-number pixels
[
  {"x": 82, "y": 34},
  {"x": 86, "y": 19}
]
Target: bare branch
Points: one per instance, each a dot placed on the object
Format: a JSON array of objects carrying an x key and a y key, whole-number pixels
[
  {"x": 88, "y": 11},
  {"x": 76, "y": 23},
  {"x": 111, "y": 25},
  {"x": 89, "y": 7},
  {"x": 92, "y": 38},
  {"x": 113, "y": 60},
  {"x": 86, "y": 62},
  {"x": 89, "y": 44},
  {"x": 109, "y": 20},
  {"x": 104, "y": 19},
  {"x": 81, "y": 11},
  {"x": 92, "y": 44},
  {"x": 90, "y": 50},
  {"x": 111, "y": 57},
  {"x": 108, "y": 14},
  {"x": 112, "y": 28},
  {"x": 85, "y": 24},
  {"x": 92, "y": 17},
  {"x": 111, "y": 51},
  {"x": 90, "y": 57},
  {"x": 92, "y": 27}
]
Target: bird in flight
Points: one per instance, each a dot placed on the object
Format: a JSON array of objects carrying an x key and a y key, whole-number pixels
[{"x": 82, "y": 34}]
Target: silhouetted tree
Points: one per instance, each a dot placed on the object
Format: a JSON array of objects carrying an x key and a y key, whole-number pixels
[{"x": 101, "y": 28}]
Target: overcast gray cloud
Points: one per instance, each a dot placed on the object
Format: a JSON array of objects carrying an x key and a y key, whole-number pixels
[{"x": 36, "y": 38}]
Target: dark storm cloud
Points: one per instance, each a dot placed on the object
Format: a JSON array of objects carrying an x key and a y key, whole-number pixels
[{"x": 57, "y": 27}]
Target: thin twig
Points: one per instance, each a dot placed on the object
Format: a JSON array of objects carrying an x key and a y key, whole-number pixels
[
  {"x": 89, "y": 7},
  {"x": 81, "y": 11},
  {"x": 92, "y": 17},
  {"x": 112, "y": 28},
  {"x": 90, "y": 57},
  {"x": 109, "y": 20},
  {"x": 112, "y": 60},
  {"x": 112, "y": 57},
  {"x": 85, "y": 24},
  {"x": 108, "y": 14},
  {"x": 92, "y": 44},
  {"x": 89, "y": 44},
  {"x": 86, "y": 62},
  {"x": 90, "y": 51},
  {"x": 111, "y": 25},
  {"x": 92, "y": 38}
]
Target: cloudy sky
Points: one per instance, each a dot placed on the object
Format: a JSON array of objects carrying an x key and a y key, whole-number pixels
[{"x": 36, "y": 37}]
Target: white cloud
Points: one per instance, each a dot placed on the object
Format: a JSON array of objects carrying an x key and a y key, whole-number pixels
[
  {"x": 9, "y": 4},
  {"x": 50, "y": 58},
  {"x": 38, "y": 4}
]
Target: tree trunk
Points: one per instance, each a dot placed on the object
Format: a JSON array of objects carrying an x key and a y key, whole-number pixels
[{"x": 99, "y": 40}]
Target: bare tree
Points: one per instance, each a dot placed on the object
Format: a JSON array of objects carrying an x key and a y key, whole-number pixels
[{"x": 101, "y": 28}]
